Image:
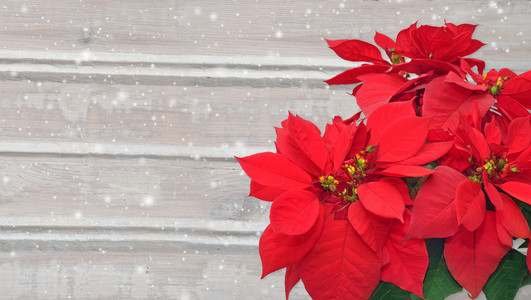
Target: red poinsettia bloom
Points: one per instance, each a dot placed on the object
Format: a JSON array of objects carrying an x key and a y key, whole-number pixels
[
  {"x": 447, "y": 43},
  {"x": 512, "y": 92},
  {"x": 433, "y": 52},
  {"x": 473, "y": 206},
  {"x": 430, "y": 49},
  {"x": 340, "y": 197}
]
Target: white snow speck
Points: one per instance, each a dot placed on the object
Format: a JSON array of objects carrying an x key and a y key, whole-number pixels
[{"x": 148, "y": 201}]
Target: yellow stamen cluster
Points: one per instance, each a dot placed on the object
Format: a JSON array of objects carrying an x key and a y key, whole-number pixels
[
  {"x": 350, "y": 198},
  {"x": 494, "y": 167},
  {"x": 329, "y": 183},
  {"x": 395, "y": 57},
  {"x": 494, "y": 88},
  {"x": 344, "y": 184},
  {"x": 356, "y": 168}
]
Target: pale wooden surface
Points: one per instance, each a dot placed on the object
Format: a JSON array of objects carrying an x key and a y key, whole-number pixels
[{"x": 119, "y": 121}]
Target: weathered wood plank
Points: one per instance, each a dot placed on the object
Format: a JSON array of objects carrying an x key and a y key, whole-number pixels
[
  {"x": 90, "y": 187},
  {"x": 183, "y": 274},
  {"x": 97, "y": 118},
  {"x": 247, "y": 27}
]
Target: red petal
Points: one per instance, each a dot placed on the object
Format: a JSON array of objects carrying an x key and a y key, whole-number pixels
[
  {"x": 293, "y": 276},
  {"x": 528, "y": 261},
  {"x": 386, "y": 114},
  {"x": 520, "y": 191},
  {"x": 275, "y": 170},
  {"x": 341, "y": 265},
  {"x": 406, "y": 43},
  {"x": 288, "y": 147},
  {"x": 422, "y": 66},
  {"x": 403, "y": 139},
  {"x": 406, "y": 171},
  {"x": 279, "y": 250},
  {"x": 376, "y": 90},
  {"x": 513, "y": 219},
  {"x": 519, "y": 88},
  {"x": 342, "y": 146},
  {"x": 492, "y": 192},
  {"x": 384, "y": 41},
  {"x": 428, "y": 153},
  {"x": 351, "y": 76},
  {"x": 262, "y": 192},
  {"x": 470, "y": 204},
  {"x": 371, "y": 228},
  {"x": 408, "y": 259},
  {"x": 445, "y": 102},
  {"x": 402, "y": 187},
  {"x": 356, "y": 50},
  {"x": 493, "y": 133},
  {"x": 434, "y": 214},
  {"x": 468, "y": 63},
  {"x": 510, "y": 107},
  {"x": 459, "y": 81},
  {"x": 473, "y": 47},
  {"x": 503, "y": 235},
  {"x": 383, "y": 199},
  {"x": 519, "y": 135},
  {"x": 308, "y": 138},
  {"x": 479, "y": 144},
  {"x": 472, "y": 256},
  {"x": 294, "y": 212}
]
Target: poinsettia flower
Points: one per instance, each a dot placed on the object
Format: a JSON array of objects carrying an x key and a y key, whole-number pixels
[
  {"x": 474, "y": 207},
  {"x": 511, "y": 91},
  {"x": 447, "y": 43},
  {"x": 430, "y": 49},
  {"x": 347, "y": 175}
]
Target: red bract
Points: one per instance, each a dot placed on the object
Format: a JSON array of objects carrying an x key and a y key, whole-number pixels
[
  {"x": 512, "y": 92},
  {"x": 338, "y": 200},
  {"x": 430, "y": 48},
  {"x": 472, "y": 208},
  {"x": 447, "y": 43}
]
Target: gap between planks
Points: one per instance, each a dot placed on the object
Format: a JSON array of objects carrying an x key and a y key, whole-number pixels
[
  {"x": 117, "y": 234},
  {"x": 190, "y": 70},
  {"x": 125, "y": 150},
  {"x": 199, "y": 70}
]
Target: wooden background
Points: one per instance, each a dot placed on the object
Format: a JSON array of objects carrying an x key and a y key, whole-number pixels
[{"x": 119, "y": 121}]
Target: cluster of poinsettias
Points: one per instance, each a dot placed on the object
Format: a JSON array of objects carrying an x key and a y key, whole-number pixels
[{"x": 443, "y": 151}]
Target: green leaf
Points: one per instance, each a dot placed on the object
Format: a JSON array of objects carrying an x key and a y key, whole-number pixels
[
  {"x": 505, "y": 282},
  {"x": 438, "y": 282},
  {"x": 389, "y": 291},
  {"x": 526, "y": 281}
]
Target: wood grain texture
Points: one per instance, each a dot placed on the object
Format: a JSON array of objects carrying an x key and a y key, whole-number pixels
[
  {"x": 246, "y": 27},
  {"x": 119, "y": 121},
  {"x": 186, "y": 117},
  {"x": 180, "y": 274}
]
